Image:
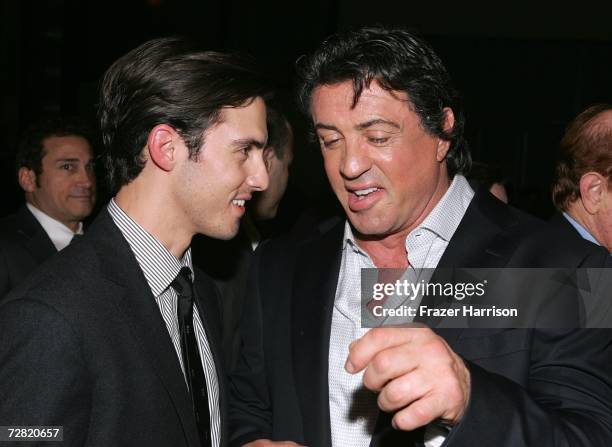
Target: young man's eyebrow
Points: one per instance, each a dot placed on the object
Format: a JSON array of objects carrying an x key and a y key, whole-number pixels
[
  {"x": 373, "y": 122},
  {"x": 250, "y": 142}
]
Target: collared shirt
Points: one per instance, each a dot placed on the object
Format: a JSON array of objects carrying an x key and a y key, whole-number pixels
[
  {"x": 353, "y": 409},
  {"x": 160, "y": 268},
  {"x": 583, "y": 232},
  {"x": 59, "y": 233}
]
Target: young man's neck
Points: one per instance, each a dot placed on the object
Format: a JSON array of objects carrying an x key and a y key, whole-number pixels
[{"x": 152, "y": 212}]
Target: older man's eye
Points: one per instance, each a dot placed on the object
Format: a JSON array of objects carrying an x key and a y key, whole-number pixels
[
  {"x": 329, "y": 143},
  {"x": 382, "y": 140}
]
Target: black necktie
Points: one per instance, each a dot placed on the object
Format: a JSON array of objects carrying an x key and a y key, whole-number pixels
[
  {"x": 75, "y": 238},
  {"x": 191, "y": 354}
]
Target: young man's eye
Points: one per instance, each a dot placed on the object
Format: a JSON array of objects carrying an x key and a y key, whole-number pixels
[{"x": 67, "y": 167}]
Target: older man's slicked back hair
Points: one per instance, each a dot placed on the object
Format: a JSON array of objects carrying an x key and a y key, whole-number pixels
[
  {"x": 585, "y": 147},
  {"x": 397, "y": 60},
  {"x": 168, "y": 81}
]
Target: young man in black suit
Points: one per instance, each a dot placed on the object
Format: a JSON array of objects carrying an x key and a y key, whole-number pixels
[
  {"x": 390, "y": 130},
  {"x": 55, "y": 169},
  {"x": 582, "y": 190},
  {"x": 117, "y": 339}
]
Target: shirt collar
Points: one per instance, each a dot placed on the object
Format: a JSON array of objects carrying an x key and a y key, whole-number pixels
[
  {"x": 59, "y": 233},
  {"x": 583, "y": 232},
  {"x": 160, "y": 267},
  {"x": 443, "y": 220}
]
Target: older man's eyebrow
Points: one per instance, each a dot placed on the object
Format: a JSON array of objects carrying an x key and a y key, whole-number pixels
[
  {"x": 249, "y": 142},
  {"x": 373, "y": 122}
]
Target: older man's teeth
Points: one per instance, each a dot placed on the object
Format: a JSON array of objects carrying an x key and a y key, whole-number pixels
[
  {"x": 365, "y": 192},
  {"x": 238, "y": 202}
]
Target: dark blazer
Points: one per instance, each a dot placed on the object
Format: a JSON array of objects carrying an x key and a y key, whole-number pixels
[
  {"x": 529, "y": 387},
  {"x": 83, "y": 345},
  {"x": 227, "y": 263},
  {"x": 564, "y": 228},
  {"x": 24, "y": 244}
]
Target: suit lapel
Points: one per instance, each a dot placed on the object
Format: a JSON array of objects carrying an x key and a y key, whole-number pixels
[
  {"x": 137, "y": 306},
  {"x": 36, "y": 239},
  {"x": 314, "y": 291},
  {"x": 482, "y": 240}
]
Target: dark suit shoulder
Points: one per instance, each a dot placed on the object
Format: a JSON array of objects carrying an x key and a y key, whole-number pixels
[
  {"x": 493, "y": 234},
  {"x": 24, "y": 244},
  {"x": 14, "y": 224},
  {"x": 566, "y": 232},
  {"x": 559, "y": 245},
  {"x": 9, "y": 234},
  {"x": 69, "y": 279},
  {"x": 279, "y": 254},
  {"x": 8, "y": 224}
]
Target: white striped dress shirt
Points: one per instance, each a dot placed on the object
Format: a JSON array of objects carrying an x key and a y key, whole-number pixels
[
  {"x": 160, "y": 268},
  {"x": 353, "y": 409}
]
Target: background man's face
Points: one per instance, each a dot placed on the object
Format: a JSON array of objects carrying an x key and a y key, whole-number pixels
[
  {"x": 65, "y": 189},
  {"x": 385, "y": 169},
  {"x": 499, "y": 191},
  {"x": 266, "y": 202},
  {"x": 603, "y": 220},
  {"x": 212, "y": 190}
]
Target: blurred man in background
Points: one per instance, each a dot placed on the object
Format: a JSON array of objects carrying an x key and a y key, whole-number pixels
[
  {"x": 55, "y": 169},
  {"x": 582, "y": 190}
]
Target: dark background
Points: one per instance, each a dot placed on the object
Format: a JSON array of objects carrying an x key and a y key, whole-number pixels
[{"x": 525, "y": 68}]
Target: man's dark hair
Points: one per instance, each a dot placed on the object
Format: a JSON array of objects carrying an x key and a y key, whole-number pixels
[
  {"x": 31, "y": 150},
  {"x": 168, "y": 81},
  {"x": 398, "y": 61},
  {"x": 279, "y": 130},
  {"x": 585, "y": 147}
]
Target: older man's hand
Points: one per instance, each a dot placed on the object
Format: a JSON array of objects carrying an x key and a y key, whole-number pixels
[{"x": 416, "y": 373}]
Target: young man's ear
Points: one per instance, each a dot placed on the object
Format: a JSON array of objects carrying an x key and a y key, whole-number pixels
[
  {"x": 449, "y": 123},
  {"x": 163, "y": 146},
  {"x": 27, "y": 179},
  {"x": 592, "y": 189}
]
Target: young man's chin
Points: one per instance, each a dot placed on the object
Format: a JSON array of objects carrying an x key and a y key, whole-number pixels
[{"x": 229, "y": 231}]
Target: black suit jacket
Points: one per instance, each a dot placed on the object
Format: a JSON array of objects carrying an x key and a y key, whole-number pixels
[
  {"x": 24, "y": 244},
  {"x": 83, "y": 345},
  {"x": 529, "y": 387},
  {"x": 564, "y": 228}
]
